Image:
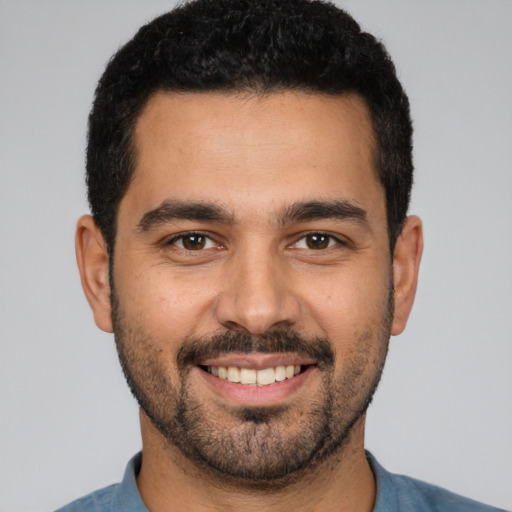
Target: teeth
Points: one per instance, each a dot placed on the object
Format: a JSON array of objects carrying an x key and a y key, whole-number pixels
[
  {"x": 234, "y": 374},
  {"x": 280, "y": 373},
  {"x": 247, "y": 376},
  {"x": 254, "y": 377},
  {"x": 266, "y": 376}
]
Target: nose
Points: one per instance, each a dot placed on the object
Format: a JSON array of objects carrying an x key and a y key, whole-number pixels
[{"x": 257, "y": 295}]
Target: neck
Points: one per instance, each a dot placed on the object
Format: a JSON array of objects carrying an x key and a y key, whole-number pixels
[{"x": 169, "y": 481}]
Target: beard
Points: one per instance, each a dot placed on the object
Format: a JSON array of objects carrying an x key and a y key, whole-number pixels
[{"x": 256, "y": 445}]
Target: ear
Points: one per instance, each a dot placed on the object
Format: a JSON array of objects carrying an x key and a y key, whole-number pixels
[
  {"x": 92, "y": 259},
  {"x": 406, "y": 263}
]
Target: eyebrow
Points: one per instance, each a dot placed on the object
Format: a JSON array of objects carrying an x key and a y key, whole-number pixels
[
  {"x": 171, "y": 210},
  {"x": 323, "y": 210}
]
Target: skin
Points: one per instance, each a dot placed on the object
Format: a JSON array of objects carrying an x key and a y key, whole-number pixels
[{"x": 255, "y": 157}]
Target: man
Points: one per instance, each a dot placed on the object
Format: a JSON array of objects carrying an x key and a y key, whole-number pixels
[{"x": 249, "y": 170}]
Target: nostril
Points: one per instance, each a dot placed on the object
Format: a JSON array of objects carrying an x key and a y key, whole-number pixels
[
  {"x": 257, "y": 328},
  {"x": 255, "y": 306}
]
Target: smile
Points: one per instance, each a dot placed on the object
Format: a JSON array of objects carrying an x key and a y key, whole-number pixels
[
  {"x": 256, "y": 379},
  {"x": 252, "y": 377}
]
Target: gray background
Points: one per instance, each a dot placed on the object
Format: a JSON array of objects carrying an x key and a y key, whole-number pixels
[{"x": 444, "y": 409}]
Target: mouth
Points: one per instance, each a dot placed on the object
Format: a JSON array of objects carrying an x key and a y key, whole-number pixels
[
  {"x": 253, "y": 377},
  {"x": 256, "y": 379}
]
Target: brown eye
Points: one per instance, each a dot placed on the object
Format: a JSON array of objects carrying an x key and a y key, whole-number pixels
[
  {"x": 318, "y": 241},
  {"x": 194, "y": 242}
]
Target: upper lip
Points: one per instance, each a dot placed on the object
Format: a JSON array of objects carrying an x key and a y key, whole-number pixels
[{"x": 257, "y": 361}]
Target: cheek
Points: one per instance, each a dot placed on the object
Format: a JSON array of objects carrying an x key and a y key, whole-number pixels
[
  {"x": 170, "y": 305},
  {"x": 348, "y": 304}
]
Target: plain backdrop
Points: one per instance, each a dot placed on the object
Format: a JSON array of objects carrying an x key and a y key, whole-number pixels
[{"x": 443, "y": 412}]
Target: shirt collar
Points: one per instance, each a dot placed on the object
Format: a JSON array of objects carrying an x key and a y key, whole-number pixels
[
  {"x": 127, "y": 496},
  {"x": 386, "y": 498}
]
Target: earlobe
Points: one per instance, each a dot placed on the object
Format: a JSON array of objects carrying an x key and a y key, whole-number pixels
[
  {"x": 92, "y": 259},
  {"x": 406, "y": 262}
]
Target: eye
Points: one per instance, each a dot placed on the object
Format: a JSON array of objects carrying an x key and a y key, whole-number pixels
[
  {"x": 317, "y": 241},
  {"x": 192, "y": 242}
]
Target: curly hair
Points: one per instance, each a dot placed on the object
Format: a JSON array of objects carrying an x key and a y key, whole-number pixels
[{"x": 242, "y": 45}]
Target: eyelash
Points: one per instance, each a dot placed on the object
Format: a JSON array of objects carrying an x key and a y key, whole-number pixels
[
  {"x": 183, "y": 236},
  {"x": 331, "y": 240}
]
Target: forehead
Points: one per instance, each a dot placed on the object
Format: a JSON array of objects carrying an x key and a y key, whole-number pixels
[{"x": 253, "y": 151}]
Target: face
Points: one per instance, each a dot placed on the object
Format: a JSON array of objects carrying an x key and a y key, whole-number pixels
[{"x": 253, "y": 282}]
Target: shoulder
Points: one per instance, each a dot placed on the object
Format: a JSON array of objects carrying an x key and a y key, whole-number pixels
[
  {"x": 123, "y": 497},
  {"x": 427, "y": 497},
  {"x": 402, "y": 494},
  {"x": 98, "y": 501}
]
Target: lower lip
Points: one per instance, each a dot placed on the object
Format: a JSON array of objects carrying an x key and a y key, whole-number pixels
[{"x": 256, "y": 396}]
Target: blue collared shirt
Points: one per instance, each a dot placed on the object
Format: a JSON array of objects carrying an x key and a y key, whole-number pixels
[{"x": 395, "y": 493}]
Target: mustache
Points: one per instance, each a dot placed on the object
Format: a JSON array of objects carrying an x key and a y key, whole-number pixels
[{"x": 195, "y": 350}]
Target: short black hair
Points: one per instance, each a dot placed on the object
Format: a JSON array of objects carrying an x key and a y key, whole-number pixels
[{"x": 259, "y": 46}]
